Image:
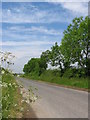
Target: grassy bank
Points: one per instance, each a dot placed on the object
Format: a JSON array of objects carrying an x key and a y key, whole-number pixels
[
  {"x": 0, "y": 97},
  {"x": 11, "y": 98},
  {"x": 54, "y": 77}
]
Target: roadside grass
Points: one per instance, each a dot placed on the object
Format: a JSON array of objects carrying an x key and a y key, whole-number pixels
[
  {"x": 52, "y": 77},
  {"x": 0, "y": 97},
  {"x": 12, "y": 107}
]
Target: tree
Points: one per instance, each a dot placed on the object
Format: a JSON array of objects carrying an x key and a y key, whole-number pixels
[
  {"x": 26, "y": 68},
  {"x": 75, "y": 43},
  {"x": 74, "y": 48},
  {"x": 35, "y": 65},
  {"x": 57, "y": 59},
  {"x": 55, "y": 56},
  {"x": 46, "y": 55}
]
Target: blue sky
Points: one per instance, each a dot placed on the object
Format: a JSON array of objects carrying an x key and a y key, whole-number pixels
[{"x": 33, "y": 27}]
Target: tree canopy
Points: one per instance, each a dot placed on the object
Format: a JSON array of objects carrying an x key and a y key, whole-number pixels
[
  {"x": 37, "y": 65},
  {"x": 73, "y": 49},
  {"x": 75, "y": 43}
]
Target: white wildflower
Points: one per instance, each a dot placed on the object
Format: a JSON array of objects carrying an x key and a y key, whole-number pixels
[
  {"x": 22, "y": 101},
  {"x": 22, "y": 109},
  {"x": 15, "y": 105},
  {"x": 10, "y": 84},
  {"x": 15, "y": 86},
  {"x": 14, "y": 83},
  {"x": 2, "y": 72},
  {"x": 8, "y": 95},
  {"x": 27, "y": 101}
]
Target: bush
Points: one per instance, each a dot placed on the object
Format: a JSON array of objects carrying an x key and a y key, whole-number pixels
[
  {"x": 68, "y": 73},
  {"x": 73, "y": 72}
]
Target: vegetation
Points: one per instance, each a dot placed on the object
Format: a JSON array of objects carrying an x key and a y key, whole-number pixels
[
  {"x": 13, "y": 104},
  {"x": 71, "y": 57},
  {"x": 10, "y": 97},
  {"x": 0, "y": 98},
  {"x": 53, "y": 76},
  {"x": 6, "y": 60},
  {"x": 8, "y": 86},
  {"x": 35, "y": 65}
]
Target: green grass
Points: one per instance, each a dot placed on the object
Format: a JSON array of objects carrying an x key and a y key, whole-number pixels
[
  {"x": 54, "y": 77},
  {"x": 0, "y": 97},
  {"x": 11, "y": 97}
]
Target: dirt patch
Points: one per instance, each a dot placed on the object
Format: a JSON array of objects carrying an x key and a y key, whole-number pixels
[{"x": 28, "y": 112}]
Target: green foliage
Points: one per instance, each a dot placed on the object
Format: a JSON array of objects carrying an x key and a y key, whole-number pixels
[
  {"x": 11, "y": 98},
  {"x": 46, "y": 55},
  {"x": 55, "y": 56},
  {"x": 53, "y": 76},
  {"x": 0, "y": 97},
  {"x": 35, "y": 65},
  {"x": 74, "y": 49},
  {"x": 75, "y": 43},
  {"x": 9, "y": 95},
  {"x": 73, "y": 72}
]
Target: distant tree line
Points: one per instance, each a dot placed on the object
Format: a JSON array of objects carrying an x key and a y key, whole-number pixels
[{"x": 71, "y": 56}]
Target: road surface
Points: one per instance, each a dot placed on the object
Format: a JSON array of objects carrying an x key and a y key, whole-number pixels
[{"x": 57, "y": 102}]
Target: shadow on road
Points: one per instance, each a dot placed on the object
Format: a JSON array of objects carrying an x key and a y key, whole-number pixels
[{"x": 29, "y": 113}]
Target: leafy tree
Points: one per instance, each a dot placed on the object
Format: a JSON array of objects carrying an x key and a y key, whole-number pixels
[
  {"x": 31, "y": 65},
  {"x": 46, "y": 55},
  {"x": 74, "y": 48},
  {"x": 26, "y": 68},
  {"x": 56, "y": 57},
  {"x": 36, "y": 65},
  {"x": 42, "y": 65},
  {"x": 75, "y": 43}
]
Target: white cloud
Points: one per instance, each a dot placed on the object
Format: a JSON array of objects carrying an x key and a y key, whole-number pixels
[
  {"x": 21, "y": 35},
  {"x": 76, "y": 8},
  {"x": 27, "y": 38},
  {"x": 46, "y": 31},
  {"x": 27, "y": 43},
  {"x": 33, "y": 15},
  {"x": 73, "y": 7},
  {"x": 35, "y": 30}
]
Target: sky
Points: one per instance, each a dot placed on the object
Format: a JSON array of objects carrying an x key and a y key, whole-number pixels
[{"x": 29, "y": 28}]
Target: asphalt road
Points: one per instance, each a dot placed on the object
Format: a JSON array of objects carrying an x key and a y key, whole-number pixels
[{"x": 57, "y": 102}]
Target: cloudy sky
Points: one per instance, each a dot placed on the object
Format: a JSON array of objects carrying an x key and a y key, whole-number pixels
[{"x": 28, "y": 28}]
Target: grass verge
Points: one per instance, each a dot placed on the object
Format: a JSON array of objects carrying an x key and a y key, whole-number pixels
[
  {"x": 51, "y": 77},
  {"x": 0, "y": 97},
  {"x": 12, "y": 106}
]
